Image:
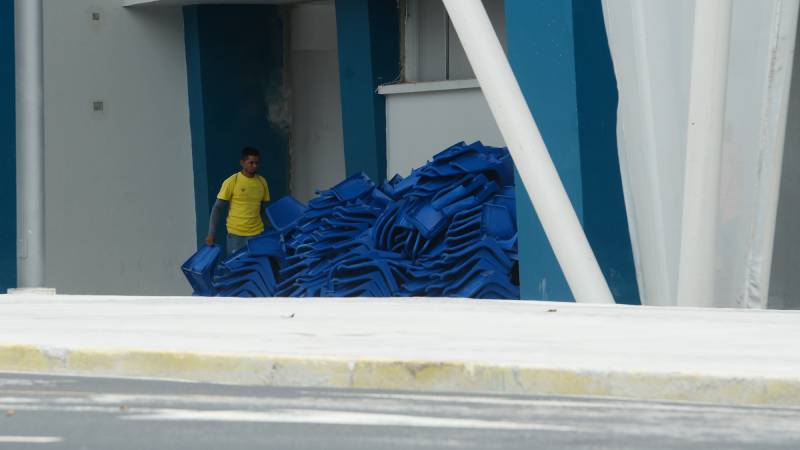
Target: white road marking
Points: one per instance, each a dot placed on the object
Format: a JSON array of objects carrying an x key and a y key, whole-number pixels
[
  {"x": 578, "y": 402},
  {"x": 29, "y": 439},
  {"x": 21, "y": 400},
  {"x": 329, "y": 417},
  {"x": 64, "y": 408},
  {"x": 363, "y": 399}
]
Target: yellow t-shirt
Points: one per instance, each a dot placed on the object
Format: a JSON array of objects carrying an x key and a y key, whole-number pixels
[{"x": 245, "y": 196}]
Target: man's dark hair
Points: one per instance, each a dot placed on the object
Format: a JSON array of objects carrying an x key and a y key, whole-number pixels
[{"x": 249, "y": 151}]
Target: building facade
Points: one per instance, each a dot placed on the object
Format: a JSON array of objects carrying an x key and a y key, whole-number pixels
[{"x": 147, "y": 103}]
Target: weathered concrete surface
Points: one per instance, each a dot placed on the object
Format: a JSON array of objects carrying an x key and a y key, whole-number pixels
[
  {"x": 89, "y": 413},
  {"x": 721, "y": 356}
]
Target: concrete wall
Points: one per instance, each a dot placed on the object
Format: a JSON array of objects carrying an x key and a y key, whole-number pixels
[
  {"x": 317, "y": 149},
  {"x": 428, "y": 116},
  {"x": 119, "y": 195},
  {"x": 420, "y": 124}
]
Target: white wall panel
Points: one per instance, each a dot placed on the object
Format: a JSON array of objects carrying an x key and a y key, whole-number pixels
[
  {"x": 119, "y": 189},
  {"x": 421, "y": 123}
]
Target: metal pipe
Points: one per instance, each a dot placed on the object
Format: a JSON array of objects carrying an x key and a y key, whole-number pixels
[
  {"x": 528, "y": 150},
  {"x": 706, "y": 123},
  {"x": 446, "y": 45},
  {"x": 30, "y": 140}
]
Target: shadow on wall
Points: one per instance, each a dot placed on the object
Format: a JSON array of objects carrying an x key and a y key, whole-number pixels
[
  {"x": 238, "y": 96},
  {"x": 784, "y": 282}
]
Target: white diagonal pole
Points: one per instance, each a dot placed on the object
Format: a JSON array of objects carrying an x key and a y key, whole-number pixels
[
  {"x": 706, "y": 124},
  {"x": 528, "y": 150}
]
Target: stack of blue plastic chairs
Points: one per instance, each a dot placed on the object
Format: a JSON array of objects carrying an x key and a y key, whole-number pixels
[
  {"x": 337, "y": 221},
  {"x": 455, "y": 224},
  {"x": 250, "y": 272},
  {"x": 478, "y": 258},
  {"x": 448, "y": 229}
]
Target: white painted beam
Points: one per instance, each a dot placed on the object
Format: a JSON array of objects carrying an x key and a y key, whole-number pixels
[{"x": 709, "y": 76}]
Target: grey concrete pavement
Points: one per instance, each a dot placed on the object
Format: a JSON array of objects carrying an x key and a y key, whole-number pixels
[
  {"x": 511, "y": 347},
  {"x": 55, "y": 412}
]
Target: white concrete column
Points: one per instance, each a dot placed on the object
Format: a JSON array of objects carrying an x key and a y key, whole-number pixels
[
  {"x": 30, "y": 140},
  {"x": 536, "y": 168},
  {"x": 709, "y": 78}
]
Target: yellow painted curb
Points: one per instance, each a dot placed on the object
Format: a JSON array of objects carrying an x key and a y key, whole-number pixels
[{"x": 256, "y": 369}]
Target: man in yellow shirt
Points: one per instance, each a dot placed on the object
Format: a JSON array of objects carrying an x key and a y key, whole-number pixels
[{"x": 244, "y": 194}]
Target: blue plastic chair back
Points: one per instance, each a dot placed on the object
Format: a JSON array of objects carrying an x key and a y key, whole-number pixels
[
  {"x": 199, "y": 269},
  {"x": 353, "y": 187},
  {"x": 497, "y": 222},
  {"x": 427, "y": 219},
  {"x": 266, "y": 245},
  {"x": 284, "y": 213}
]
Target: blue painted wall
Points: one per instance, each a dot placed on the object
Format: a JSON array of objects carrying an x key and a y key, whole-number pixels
[
  {"x": 369, "y": 55},
  {"x": 8, "y": 174},
  {"x": 539, "y": 37},
  {"x": 237, "y": 97},
  {"x": 559, "y": 53},
  {"x": 604, "y": 215}
]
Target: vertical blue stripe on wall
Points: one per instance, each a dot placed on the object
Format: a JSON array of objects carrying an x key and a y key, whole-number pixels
[
  {"x": 237, "y": 97},
  {"x": 540, "y": 49},
  {"x": 196, "y": 118},
  {"x": 8, "y": 166},
  {"x": 559, "y": 53},
  {"x": 369, "y": 55},
  {"x": 604, "y": 214}
]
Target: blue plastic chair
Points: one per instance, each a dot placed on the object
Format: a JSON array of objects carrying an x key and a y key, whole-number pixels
[
  {"x": 254, "y": 277},
  {"x": 353, "y": 187},
  {"x": 266, "y": 245},
  {"x": 247, "y": 289},
  {"x": 199, "y": 269},
  {"x": 497, "y": 222},
  {"x": 284, "y": 213},
  {"x": 428, "y": 220}
]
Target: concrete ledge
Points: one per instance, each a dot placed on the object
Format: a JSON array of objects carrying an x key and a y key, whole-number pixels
[
  {"x": 736, "y": 357},
  {"x": 32, "y": 291},
  {"x": 400, "y": 375},
  {"x": 427, "y": 86}
]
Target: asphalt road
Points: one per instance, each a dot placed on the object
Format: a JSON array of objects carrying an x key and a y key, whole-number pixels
[{"x": 46, "y": 412}]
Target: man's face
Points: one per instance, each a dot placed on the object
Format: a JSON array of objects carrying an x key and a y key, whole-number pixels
[{"x": 250, "y": 165}]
